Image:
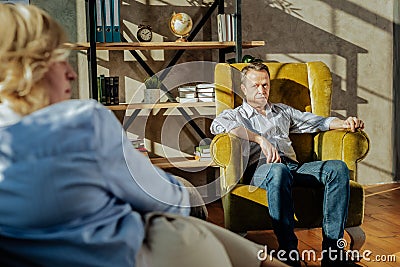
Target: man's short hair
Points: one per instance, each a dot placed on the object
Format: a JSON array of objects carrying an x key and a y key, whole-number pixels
[{"x": 257, "y": 66}]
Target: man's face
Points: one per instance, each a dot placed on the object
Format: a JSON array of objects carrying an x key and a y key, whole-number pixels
[{"x": 256, "y": 88}]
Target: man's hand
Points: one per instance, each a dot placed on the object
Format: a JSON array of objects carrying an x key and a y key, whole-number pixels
[
  {"x": 353, "y": 123},
  {"x": 270, "y": 152}
]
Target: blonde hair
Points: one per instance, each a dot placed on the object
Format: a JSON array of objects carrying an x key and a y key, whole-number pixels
[{"x": 30, "y": 42}]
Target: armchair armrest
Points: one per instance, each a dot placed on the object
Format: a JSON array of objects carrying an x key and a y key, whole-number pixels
[
  {"x": 342, "y": 145},
  {"x": 226, "y": 151}
]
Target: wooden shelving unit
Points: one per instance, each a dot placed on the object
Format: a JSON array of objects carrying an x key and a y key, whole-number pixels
[
  {"x": 181, "y": 162},
  {"x": 125, "y": 106},
  {"x": 224, "y": 47},
  {"x": 163, "y": 45}
]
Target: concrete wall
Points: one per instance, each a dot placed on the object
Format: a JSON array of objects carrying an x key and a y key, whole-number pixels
[{"x": 353, "y": 37}]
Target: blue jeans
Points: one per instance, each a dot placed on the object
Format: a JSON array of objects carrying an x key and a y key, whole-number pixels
[{"x": 278, "y": 179}]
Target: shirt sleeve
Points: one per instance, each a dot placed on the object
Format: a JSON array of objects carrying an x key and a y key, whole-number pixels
[
  {"x": 306, "y": 122},
  {"x": 130, "y": 176},
  {"x": 225, "y": 122}
]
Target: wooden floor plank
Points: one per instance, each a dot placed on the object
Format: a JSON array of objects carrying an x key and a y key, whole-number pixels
[{"x": 379, "y": 188}]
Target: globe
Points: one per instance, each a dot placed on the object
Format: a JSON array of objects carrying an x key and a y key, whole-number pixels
[{"x": 180, "y": 25}]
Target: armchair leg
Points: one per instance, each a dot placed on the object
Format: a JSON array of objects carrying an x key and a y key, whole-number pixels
[{"x": 357, "y": 237}]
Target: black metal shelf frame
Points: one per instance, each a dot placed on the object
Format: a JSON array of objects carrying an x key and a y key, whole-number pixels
[{"x": 92, "y": 64}]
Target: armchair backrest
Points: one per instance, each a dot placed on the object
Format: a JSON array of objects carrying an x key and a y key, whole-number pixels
[{"x": 304, "y": 86}]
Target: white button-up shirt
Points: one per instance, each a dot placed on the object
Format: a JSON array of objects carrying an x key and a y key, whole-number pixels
[{"x": 280, "y": 120}]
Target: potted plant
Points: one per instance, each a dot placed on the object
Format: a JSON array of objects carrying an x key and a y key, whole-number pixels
[
  {"x": 245, "y": 59},
  {"x": 152, "y": 91}
]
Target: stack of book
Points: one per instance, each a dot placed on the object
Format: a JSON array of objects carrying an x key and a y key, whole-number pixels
[
  {"x": 202, "y": 153},
  {"x": 139, "y": 145},
  {"x": 226, "y": 27},
  {"x": 205, "y": 92},
  {"x": 187, "y": 94},
  {"x": 108, "y": 90}
]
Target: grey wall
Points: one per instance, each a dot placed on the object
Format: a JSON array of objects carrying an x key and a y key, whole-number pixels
[
  {"x": 65, "y": 12},
  {"x": 353, "y": 37}
]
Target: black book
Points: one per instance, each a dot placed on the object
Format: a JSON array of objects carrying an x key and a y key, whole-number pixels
[
  {"x": 112, "y": 91},
  {"x": 116, "y": 90},
  {"x": 103, "y": 90},
  {"x": 108, "y": 90}
]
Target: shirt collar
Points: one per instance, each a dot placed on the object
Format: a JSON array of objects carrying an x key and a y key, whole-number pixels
[
  {"x": 8, "y": 116},
  {"x": 250, "y": 111}
]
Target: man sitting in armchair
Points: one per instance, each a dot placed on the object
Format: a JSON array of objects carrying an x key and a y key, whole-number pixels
[{"x": 268, "y": 125}]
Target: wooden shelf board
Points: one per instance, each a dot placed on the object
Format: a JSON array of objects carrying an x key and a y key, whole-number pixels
[
  {"x": 160, "y": 105},
  {"x": 181, "y": 162},
  {"x": 163, "y": 45}
]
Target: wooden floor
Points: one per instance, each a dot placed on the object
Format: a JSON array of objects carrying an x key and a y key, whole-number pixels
[{"x": 381, "y": 225}]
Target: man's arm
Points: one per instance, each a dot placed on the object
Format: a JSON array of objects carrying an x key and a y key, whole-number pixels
[
  {"x": 228, "y": 122},
  {"x": 270, "y": 152},
  {"x": 351, "y": 123}
]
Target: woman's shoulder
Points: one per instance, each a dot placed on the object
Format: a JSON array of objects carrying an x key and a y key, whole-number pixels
[
  {"x": 77, "y": 105},
  {"x": 66, "y": 114},
  {"x": 8, "y": 116},
  {"x": 72, "y": 109}
]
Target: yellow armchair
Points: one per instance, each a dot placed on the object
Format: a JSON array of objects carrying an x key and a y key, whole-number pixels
[{"x": 307, "y": 87}]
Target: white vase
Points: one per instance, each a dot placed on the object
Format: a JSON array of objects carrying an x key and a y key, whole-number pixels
[{"x": 151, "y": 96}]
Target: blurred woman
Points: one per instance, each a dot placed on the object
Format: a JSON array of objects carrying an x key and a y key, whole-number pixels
[{"x": 73, "y": 191}]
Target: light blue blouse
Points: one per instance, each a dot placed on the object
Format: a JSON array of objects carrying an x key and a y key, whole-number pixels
[{"x": 73, "y": 189}]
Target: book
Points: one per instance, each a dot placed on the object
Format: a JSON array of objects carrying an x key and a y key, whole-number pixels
[
  {"x": 116, "y": 33},
  {"x": 234, "y": 26},
  {"x": 143, "y": 150},
  {"x": 206, "y": 99},
  {"x": 112, "y": 99},
  {"x": 99, "y": 21},
  {"x": 205, "y": 90},
  {"x": 203, "y": 149},
  {"x": 202, "y": 158},
  {"x": 204, "y": 86},
  {"x": 202, "y": 153},
  {"x": 136, "y": 142},
  {"x": 107, "y": 90},
  {"x": 221, "y": 22},
  {"x": 103, "y": 90},
  {"x": 99, "y": 91},
  {"x": 187, "y": 100},
  {"x": 188, "y": 94},
  {"x": 116, "y": 90},
  {"x": 108, "y": 33},
  {"x": 228, "y": 25},
  {"x": 187, "y": 89},
  {"x": 220, "y": 28},
  {"x": 207, "y": 94}
]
